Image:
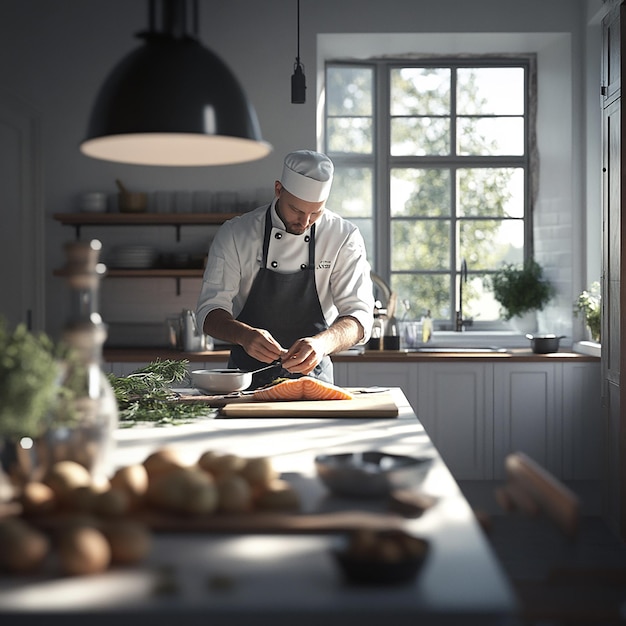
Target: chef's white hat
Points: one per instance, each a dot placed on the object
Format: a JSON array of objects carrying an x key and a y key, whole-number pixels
[{"x": 308, "y": 175}]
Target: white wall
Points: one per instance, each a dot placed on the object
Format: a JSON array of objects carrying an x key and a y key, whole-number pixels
[{"x": 54, "y": 55}]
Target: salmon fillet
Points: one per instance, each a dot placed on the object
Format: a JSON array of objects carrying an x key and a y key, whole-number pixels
[{"x": 305, "y": 388}]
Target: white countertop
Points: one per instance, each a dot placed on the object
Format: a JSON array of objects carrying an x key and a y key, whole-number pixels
[{"x": 284, "y": 579}]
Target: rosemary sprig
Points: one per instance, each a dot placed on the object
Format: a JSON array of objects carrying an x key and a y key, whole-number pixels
[{"x": 145, "y": 395}]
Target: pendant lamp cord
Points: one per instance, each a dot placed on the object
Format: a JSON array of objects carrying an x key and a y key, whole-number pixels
[{"x": 298, "y": 31}]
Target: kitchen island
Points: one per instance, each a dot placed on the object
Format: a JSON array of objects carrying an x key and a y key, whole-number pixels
[{"x": 282, "y": 579}]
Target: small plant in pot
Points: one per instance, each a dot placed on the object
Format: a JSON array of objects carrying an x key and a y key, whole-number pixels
[
  {"x": 521, "y": 289},
  {"x": 589, "y": 304},
  {"x": 30, "y": 383}
]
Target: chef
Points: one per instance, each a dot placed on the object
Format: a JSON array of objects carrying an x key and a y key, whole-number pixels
[{"x": 289, "y": 282}]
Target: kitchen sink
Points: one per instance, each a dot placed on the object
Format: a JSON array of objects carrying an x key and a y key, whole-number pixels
[{"x": 463, "y": 349}]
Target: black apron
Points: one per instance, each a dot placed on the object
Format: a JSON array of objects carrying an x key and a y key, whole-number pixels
[{"x": 288, "y": 306}]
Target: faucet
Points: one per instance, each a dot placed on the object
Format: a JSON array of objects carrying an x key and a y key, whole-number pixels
[{"x": 459, "y": 325}]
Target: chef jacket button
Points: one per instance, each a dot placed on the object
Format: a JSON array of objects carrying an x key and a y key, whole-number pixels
[
  {"x": 307, "y": 238},
  {"x": 278, "y": 236},
  {"x": 274, "y": 264},
  {"x": 303, "y": 266}
]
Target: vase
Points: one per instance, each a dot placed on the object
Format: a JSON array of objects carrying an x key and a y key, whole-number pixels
[
  {"x": 526, "y": 323},
  {"x": 82, "y": 426}
]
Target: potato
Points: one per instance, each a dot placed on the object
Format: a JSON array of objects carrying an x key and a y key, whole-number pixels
[
  {"x": 161, "y": 462},
  {"x": 65, "y": 476},
  {"x": 234, "y": 494},
  {"x": 23, "y": 548},
  {"x": 83, "y": 550},
  {"x": 130, "y": 542},
  {"x": 37, "y": 499},
  {"x": 112, "y": 503},
  {"x": 82, "y": 499},
  {"x": 278, "y": 496},
  {"x": 133, "y": 479},
  {"x": 258, "y": 471},
  {"x": 184, "y": 490},
  {"x": 220, "y": 465}
]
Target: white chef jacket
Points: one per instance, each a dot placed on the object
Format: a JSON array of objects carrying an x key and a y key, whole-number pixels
[{"x": 342, "y": 272}]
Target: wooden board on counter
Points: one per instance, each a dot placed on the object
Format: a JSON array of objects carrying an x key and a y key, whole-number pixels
[
  {"x": 273, "y": 522},
  {"x": 373, "y": 405}
]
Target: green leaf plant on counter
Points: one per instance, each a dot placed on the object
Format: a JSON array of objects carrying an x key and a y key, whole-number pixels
[{"x": 145, "y": 395}]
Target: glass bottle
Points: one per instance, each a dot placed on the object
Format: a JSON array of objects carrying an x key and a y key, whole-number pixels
[{"x": 83, "y": 423}]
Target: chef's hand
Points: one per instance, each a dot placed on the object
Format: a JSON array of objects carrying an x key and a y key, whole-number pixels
[
  {"x": 260, "y": 345},
  {"x": 303, "y": 356}
]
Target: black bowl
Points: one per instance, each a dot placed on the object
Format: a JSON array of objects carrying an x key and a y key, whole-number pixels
[
  {"x": 369, "y": 569},
  {"x": 370, "y": 474}
]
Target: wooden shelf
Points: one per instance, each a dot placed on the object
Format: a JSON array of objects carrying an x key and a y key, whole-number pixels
[
  {"x": 155, "y": 272},
  {"x": 143, "y": 219},
  {"x": 78, "y": 220}
]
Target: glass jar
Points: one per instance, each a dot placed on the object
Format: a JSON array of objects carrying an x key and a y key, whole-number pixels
[{"x": 82, "y": 423}]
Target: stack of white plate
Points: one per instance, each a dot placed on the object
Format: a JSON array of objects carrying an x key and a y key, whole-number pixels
[{"x": 133, "y": 257}]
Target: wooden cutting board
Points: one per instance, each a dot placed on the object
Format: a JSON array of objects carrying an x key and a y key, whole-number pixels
[{"x": 373, "y": 405}]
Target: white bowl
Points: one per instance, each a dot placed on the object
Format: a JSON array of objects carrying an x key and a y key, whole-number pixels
[{"x": 221, "y": 380}]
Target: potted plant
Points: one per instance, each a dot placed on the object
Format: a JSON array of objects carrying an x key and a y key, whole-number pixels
[
  {"x": 521, "y": 289},
  {"x": 29, "y": 380},
  {"x": 589, "y": 304}
]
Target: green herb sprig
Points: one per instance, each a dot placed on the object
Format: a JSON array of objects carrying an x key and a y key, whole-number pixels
[{"x": 145, "y": 395}]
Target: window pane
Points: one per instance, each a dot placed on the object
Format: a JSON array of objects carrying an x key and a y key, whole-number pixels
[
  {"x": 486, "y": 244},
  {"x": 490, "y": 192},
  {"x": 490, "y": 136},
  {"x": 420, "y": 136},
  {"x": 490, "y": 91},
  {"x": 420, "y": 245},
  {"x": 351, "y": 196},
  {"x": 349, "y": 91},
  {"x": 421, "y": 91},
  {"x": 420, "y": 192},
  {"x": 418, "y": 293},
  {"x": 352, "y": 192},
  {"x": 478, "y": 300},
  {"x": 350, "y": 134}
]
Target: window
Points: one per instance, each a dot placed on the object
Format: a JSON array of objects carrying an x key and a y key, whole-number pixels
[{"x": 432, "y": 163}]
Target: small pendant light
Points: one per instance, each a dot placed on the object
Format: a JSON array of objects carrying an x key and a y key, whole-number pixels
[
  {"x": 298, "y": 79},
  {"x": 172, "y": 101}
]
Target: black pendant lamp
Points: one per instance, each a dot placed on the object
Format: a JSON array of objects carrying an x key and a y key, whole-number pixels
[{"x": 172, "y": 101}]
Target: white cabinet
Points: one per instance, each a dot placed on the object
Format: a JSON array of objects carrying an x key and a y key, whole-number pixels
[
  {"x": 477, "y": 412},
  {"x": 403, "y": 375},
  {"x": 527, "y": 413},
  {"x": 455, "y": 407},
  {"x": 582, "y": 422}
]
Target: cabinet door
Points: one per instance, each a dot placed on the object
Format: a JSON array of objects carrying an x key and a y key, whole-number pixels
[
  {"x": 582, "y": 421},
  {"x": 403, "y": 375},
  {"x": 611, "y": 43},
  {"x": 527, "y": 414},
  {"x": 340, "y": 374},
  {"x": 456, "y": 409}
]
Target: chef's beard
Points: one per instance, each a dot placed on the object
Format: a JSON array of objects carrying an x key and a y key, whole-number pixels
[{"x": 295, "y": 229}]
